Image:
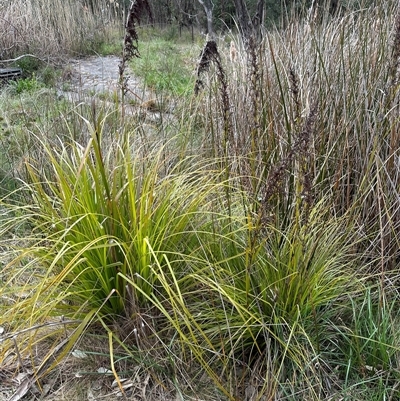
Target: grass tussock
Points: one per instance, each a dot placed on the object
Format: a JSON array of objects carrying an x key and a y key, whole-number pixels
[{"x": 243, "y": 243}]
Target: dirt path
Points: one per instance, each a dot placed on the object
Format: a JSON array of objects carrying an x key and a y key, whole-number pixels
[{"x": 96, "y": 75}]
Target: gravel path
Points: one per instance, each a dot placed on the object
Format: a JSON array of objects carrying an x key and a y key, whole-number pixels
[{"x": 95, "y": 75}]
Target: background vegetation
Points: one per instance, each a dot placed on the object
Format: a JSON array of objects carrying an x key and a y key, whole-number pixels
[{"x": 232, "y": 231}]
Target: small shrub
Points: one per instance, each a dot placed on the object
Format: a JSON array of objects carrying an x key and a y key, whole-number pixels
[{"x": 25, "y": 85}]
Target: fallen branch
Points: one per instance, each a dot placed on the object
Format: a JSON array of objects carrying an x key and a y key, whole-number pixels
[{"x": 22, "y": 56}]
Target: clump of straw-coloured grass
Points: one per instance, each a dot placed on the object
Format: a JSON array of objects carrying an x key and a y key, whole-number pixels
[{"x": 52, "y": 29}]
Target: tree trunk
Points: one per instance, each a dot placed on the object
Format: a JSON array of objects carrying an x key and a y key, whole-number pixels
[{"x": 208, "y": 9}]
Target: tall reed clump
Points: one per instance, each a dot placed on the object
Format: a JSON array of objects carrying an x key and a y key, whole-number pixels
[
  {"x": 243, "y": 134},
  {"x": 48, "y": 29},
  {"x": 313, "y": 106},
  {"x": 313, "y": 121}
]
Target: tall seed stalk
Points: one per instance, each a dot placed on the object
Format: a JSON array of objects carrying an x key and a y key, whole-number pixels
[
  {"x": 131, "y": 44},
  {"x": 208, "y": 56}
]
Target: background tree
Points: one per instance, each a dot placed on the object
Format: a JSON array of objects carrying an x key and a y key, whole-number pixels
[
  {"x": 218, "y": 15},
  {"x": 208, "y": 7}
]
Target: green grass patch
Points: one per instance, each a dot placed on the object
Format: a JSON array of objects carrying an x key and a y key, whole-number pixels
[{"x": 166, "y": 66}]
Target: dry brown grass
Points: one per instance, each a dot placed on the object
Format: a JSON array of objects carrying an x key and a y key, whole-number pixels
[
  {"x": 85, "y": 374},
  {"x": 50, "y": 28},
  {"x": 319, "y": 101}
]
